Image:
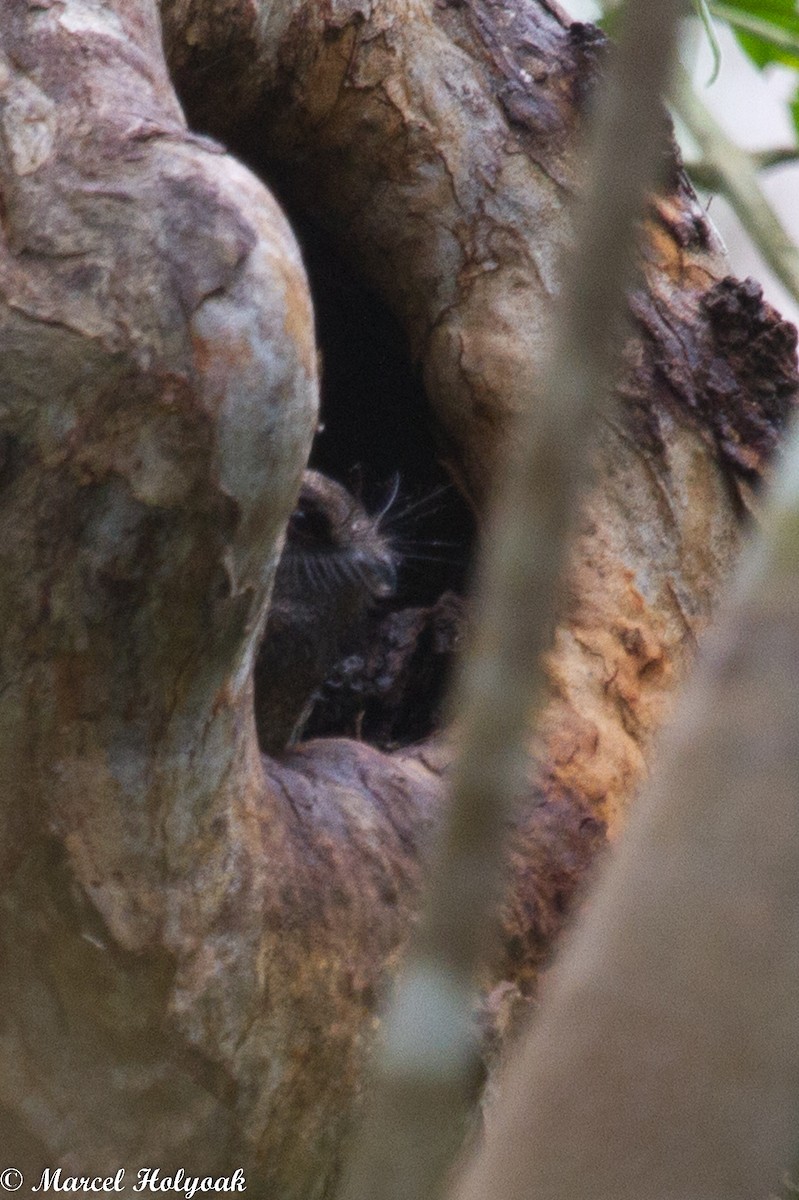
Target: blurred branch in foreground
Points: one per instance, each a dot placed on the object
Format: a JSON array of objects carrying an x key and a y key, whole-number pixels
[
  {"x": 430, "y": 1060},
  {"x": 665, "y": 1058}
]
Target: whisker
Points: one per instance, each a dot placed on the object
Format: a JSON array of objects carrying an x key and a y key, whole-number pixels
[
  {"x": 421, "y": 506},
  {"x": 314, "y": 577},
  {"x": 433, "y": 558},
  {"x": 401, "y": 544},
  {"x": 329, "y": 572},
  {"x": 393, "y": 493}
]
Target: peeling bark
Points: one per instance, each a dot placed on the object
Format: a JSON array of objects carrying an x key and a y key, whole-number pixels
[{"x": 197, "y": 939}]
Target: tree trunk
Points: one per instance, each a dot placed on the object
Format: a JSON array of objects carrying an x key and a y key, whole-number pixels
[
  {"x": 664, "y": 1058},
  {"x": 197, "y": 938}
]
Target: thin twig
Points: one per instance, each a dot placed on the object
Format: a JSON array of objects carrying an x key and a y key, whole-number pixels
[
  {"x": 429, "y": 1060},
  {"x": 778, "y": 156},
  {"x": 736, "y": 177},
  {"x": 706, "y": 176}
]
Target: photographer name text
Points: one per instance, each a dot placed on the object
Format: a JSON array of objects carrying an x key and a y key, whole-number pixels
[{"x": 148, "y": 1180}]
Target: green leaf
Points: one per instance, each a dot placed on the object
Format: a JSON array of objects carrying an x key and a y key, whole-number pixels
[
  {"x": 780, "y": 13},
  {"x": 768, "y": 30}
]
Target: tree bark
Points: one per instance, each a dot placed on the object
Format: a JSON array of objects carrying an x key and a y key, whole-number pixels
[
  {"x": 665, "y": 1056},
  {"x": 440, "y": 149},
  {"x": 197, "y": 938}
]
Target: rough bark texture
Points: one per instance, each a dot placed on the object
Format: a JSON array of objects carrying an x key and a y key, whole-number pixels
[
  {"x": 199, "y": 937},
  {"x": 439, "y": 147},
  {"x": 674, "y": 1004}
]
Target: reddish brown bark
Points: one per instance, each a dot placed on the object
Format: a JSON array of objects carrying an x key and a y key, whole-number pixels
[
  {"x": 665, "y": 1054},
  {"x": 441, "y": 154},
  {"x": 204, "y": 935}
]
